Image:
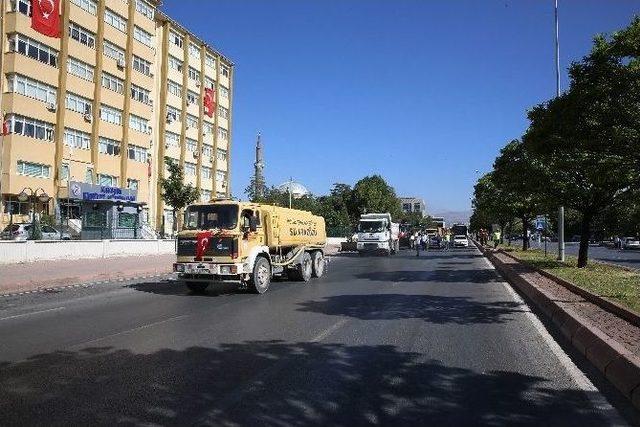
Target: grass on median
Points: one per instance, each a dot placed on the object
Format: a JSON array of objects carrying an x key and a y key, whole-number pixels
[{"x": 615, "y": 283}]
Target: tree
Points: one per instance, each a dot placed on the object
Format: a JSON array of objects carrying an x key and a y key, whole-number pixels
[
  {"x": 373, "y": 194},
  {"x": 175, "y": 192},
  {"x": 589, "y": 135},
  {"x": 251, "y": 192}
]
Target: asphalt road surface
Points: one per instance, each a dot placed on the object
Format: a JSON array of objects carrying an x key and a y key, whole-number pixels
[{"x": 435, "y": 340}]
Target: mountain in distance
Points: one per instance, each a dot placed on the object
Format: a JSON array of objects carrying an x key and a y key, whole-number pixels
[{"x": 454, "y": 217}]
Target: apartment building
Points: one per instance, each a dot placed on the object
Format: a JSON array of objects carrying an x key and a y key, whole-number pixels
[
  {"x": 413, "y": 205},
  {"x": 90, "y": 116}
]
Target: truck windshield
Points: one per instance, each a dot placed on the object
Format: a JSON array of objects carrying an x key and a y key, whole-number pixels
[
  {"x": 205, "y": 217},
  {"x": 371, "y": 226}
]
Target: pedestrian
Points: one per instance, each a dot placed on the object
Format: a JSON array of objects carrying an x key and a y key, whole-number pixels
[
  {"x": 425, "y": 242},
  {"x": 496, "y": 239},
  {"x": 447, "y": 240},
  {"x": 417, "y": 243}
]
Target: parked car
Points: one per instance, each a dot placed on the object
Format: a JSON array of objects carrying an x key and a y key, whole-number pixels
[
  {"x": 631, "y": 243},
  {"x": 460, "y": 241},
  {"x": 22, "y": 232},
  {"x": 434, "y": 242}
]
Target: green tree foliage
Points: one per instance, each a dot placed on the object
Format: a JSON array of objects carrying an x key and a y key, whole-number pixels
[
  {"x": 373, "y": 194},
  {"x": 175, "y": 192},
  {"x": 588, "y": 137}
]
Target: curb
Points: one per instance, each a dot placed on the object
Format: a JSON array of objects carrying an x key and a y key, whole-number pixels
[{"x": 619, "y": 366}]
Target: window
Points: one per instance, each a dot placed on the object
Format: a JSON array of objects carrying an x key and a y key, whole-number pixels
[
  {"x": 82, "y": 35},
  {"x": 107, "y": 180},
  {"x": 192, "y": 121},
  {"x": 113, "y": 51},
  {"x": 88, "y": 175},
  {"x": 224, "y": 92},
  {"x": 416, "y": 207},
  {"x": 32, "y": 128},
  {"x": 223, "y": 133},
  {"x": 205, "y": 196},
  {"x": 192, "y": 97},
  {"x": 194, "y": 74},
  {"x": 115, "y": 20},
  {"x": 141, "y": 65},
  {"x": 140, "y": 94},
  {"x": 22, "y": 6},
  {"x": 205, "y": 172},
  {"x": 173, "y": 114},
  {"x": 171, "y": 139},
  {"x": 175, "y": 63},
  {"x": 223, "y": 112},
  {"x": 225, "y": 70},
  {"x": 210, "y": 61},
  {"x": 139, "y": 123},
  {"x": 78, "y": 103},
  {"x": 192, "y": 145},
  {"x": 221, "y": 154},
  {"x": 176, "y": 39},
  {"x": 174, "y": 88},
  {"x": 33, "y": 49},
  {"x": 127, "y": 220},
  {"x": 209, "y": 82},
  {"x": 36, "y": 170},
  {"x": 112, "y": 83},
  {"x": 109, "y": 146},
  {"x": 87, "y": 5},
  {"x": 221, "y": 176},
  {"x": 32, "y": 88},
  {"x": 77, "y": 139},
  {"x": 189, "y": 169},
  {"x": 133, "y": 184},
  {"x": 142, "y": 36},
  {"x": 64, "y": 172},
  {"x": 207, "y": 128},
  {"x": 80, "y": 69},
  {"x": 137, "y": 154},
  {"x": 194, "y": 51},
  {"x": 145, "y": 8},
  {"x": 110, "y": 115},
  {"x": 207, "y": 151}
]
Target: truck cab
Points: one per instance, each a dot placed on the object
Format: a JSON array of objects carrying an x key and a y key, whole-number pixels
[{"x": 378, "y": 234}]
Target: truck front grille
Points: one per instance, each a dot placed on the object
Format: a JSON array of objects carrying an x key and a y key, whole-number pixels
[{"x": 219, "y": 246}]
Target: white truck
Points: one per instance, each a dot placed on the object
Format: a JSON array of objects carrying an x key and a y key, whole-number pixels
[{"x": 377, "y": 233}]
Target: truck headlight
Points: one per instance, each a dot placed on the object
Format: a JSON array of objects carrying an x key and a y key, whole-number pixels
[
  {"x": 228, "y": 269},
  {"x": 178, "y": 268}
]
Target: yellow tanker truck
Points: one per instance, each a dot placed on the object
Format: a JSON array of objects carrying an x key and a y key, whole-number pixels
[{"x": 227, "y": 241}]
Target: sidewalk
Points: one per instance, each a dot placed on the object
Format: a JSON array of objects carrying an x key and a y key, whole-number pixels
[{"x": 15, "y": 278}]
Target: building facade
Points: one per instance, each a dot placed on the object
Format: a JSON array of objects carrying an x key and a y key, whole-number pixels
[
  {"x": 413, "y": 204},
  {"x": 102, "y": 106}
]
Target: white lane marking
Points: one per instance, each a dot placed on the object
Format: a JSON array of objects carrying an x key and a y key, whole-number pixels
[
  {"x": 331, "y": 329},
  {"x": 32, "y": 313},
  {"x": 138, "y": 328},
  {"x": 597, "y": 400}
]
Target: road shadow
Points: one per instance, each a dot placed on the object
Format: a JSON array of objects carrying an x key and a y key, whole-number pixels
[
  {"x": 442, "y": 275},
  {"x": 276, "y": 383},
  {"x": 430, "y": 308},
  {"x": 178, "y": 288}
]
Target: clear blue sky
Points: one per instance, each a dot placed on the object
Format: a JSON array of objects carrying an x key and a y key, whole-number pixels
[{"x": 422, "y": 92}]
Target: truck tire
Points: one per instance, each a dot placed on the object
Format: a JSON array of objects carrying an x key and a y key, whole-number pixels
[
  {"x": 197, "y": 287},
  {"x": 303, "y": 271},
  {"x": 317, "y": 263},
  {"x": 261, "y": 276}
]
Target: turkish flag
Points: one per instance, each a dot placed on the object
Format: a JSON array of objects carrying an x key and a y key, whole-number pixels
[
  {"x": 209, "y": 101},
  {"x": 45, "y": 17},
  {"x": 5, "y": 125},
  {"x": 204, "y": 239}
]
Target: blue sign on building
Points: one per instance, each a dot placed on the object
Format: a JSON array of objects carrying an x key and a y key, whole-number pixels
[{"x": 91, "y": 192}]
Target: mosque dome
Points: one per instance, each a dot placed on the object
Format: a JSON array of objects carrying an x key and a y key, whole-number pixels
[{"x": 297, "y": 190}]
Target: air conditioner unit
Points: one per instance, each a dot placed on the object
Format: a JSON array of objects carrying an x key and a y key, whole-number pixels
[
  {"x": 196, "y": 155},
  {"x": 188, "y": 102},
  {"x": 197, "y": 83},
  {"x": 211, "y": 159},
  {"x": 88, "y": 118},
  {"x": 51, "y": 106},
  {"x": 186, "y": 127},
  {"x": 167, "y": 145},
  {"x": 169, "y": 119},
  {"x": 120, "y": 63}
]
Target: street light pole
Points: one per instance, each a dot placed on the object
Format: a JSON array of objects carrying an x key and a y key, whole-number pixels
[{"x": 561, "y": 246}]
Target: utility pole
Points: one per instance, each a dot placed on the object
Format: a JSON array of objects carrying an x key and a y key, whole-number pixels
[{"x": 561, "y": 255}]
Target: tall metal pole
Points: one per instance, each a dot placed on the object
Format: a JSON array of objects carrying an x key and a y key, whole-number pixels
[{"x": 561, "y": 255}]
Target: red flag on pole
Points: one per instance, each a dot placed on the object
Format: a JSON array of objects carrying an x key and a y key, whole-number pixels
[
  {"x": 45, "y": 17},
  {"x": 5, "y": 125},
  {"x": 209, "y": 101},
  {"x": 204, "y": 238}
]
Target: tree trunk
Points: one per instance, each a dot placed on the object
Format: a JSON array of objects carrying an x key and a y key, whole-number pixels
[
  {"x": 525, "y": 237},
  {"x": 585, "y": 233},
  {"x": 502, "y": 227},
  {"x": 174, "y": 226}
]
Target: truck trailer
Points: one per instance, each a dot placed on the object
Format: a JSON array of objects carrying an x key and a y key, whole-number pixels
[
  {"x": 227, "y": 241},
  {"x": 377, "y": 233}
]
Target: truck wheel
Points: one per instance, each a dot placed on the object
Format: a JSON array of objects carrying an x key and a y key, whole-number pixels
[
  {"x": 318, "y": 264},
  {"x": 304, "y": 270},
  {"x": 197, "y": 287},
  {"x": 261, "y": 276}
]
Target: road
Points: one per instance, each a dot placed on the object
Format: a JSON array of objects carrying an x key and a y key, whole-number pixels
[
  {"x": 627, "y": 258},
  {"x": 433, "y": 340}
]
